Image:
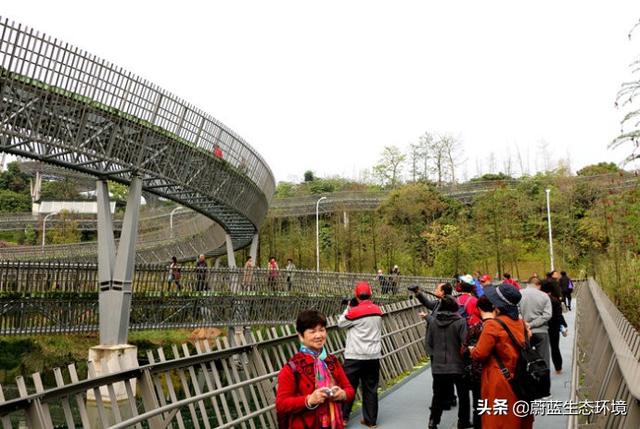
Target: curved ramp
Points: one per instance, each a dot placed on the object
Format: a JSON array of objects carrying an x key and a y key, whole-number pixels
[{"x": 63, "y": 106}]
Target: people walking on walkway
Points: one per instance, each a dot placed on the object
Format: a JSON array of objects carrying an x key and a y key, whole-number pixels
[
  {"x": 312, "y": 385},
  {"x": 566, "y": 286},
  {"x": 247, "y": 275},
  {"x": 494, "y": 341},
  {"x": 201, "y": 274},
  {"x": 394, "y": 279},
  {"x": 174, "y": 273},
  {"x": 272, "y": 273},
  {"x": 555, "y": 324},
  {"x": 290, "y": 268},
  {"x": 535, "y": 307},
  {"x": 447, "y": 331},
  {"x": 363, "y": 350},
  {"x": 509, "y": 280},
  {"x": 467, "y": 302}
]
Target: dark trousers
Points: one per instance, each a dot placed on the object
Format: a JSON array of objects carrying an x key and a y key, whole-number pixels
[
  {"x": 567, "y": 299},
  {"x": 554, "y": 342},
  {"x": 441, "y": 389},
  {"x": 367, "y": 373}
]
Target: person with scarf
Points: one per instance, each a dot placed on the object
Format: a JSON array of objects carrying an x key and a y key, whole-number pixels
[{"x": 312, "y": 385}]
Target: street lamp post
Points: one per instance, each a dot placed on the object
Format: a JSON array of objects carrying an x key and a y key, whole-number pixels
[
  {"x": 318, "y": 234},
  {"x": 44, "y": 227},
  {"x": 548, "y": 191},
  {"x": 171, "y": 219}
]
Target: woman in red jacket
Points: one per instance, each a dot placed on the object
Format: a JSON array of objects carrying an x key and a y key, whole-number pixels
[{"x": 312, "y": 386}]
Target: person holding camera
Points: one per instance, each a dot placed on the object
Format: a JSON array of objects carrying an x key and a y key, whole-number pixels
[
  {"x": 312, "y": 385},
  {"x": 363, "y": 350}
]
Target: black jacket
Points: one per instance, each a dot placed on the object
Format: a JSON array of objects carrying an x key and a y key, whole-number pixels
[{"x": 446, "y": 333}]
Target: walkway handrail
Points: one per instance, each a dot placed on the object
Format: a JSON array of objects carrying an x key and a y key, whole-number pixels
[
  {"x": 606, "y": 362},
  {"x": 223, "y": 386},
  {"x": 50, "y": 61}
]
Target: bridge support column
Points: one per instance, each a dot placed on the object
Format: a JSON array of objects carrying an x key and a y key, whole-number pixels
[
  {"x": 253, "y": 251},
  {"x": 115, "y": 278},
  {"x": 231, "y": 257}
]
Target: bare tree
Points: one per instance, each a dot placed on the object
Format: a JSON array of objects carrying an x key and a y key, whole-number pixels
[
  {"x": 625, "y": 98},
  {"x": 523, "y": 171},
  {"x": 425, "y": 142},
  {"x": 545, "y": 155},
  {"x": 452, "y": 148},
  {"x": 389, "y": 168},
  {"x": 506, "y": 162}
]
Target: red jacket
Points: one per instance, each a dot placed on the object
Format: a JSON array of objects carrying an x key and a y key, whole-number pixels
[{"x": 291, "y": 395}]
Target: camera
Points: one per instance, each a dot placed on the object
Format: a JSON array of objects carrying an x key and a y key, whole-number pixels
[
  {"x": 352, "y": 302},
  {"x": 413, "y": 288},
  {"x": 330, "y": 391}
]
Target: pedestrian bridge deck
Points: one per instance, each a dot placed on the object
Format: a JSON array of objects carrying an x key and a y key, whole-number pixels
[{"x": 407, "y": 406}]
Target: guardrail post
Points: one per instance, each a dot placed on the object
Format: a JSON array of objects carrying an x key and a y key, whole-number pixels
[{"x": 149, "y": 399}]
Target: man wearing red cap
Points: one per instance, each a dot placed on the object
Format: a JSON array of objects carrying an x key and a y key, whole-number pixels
[{"x": 363, "y": 350}]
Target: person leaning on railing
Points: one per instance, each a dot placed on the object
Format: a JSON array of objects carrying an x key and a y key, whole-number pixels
[{"x": 312, "y": 385}]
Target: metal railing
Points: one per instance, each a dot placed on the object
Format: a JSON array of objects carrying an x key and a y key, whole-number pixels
[
  {"x": 367, "y": 200},
  {"x": 208, "y": 384},
  {"x": 58, "y": 298},
  {"x": 60, "y": 66},
  {"x": 606, "y": 361}
]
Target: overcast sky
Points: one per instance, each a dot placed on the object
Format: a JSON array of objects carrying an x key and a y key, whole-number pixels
[{"x": 325, "y": 86}]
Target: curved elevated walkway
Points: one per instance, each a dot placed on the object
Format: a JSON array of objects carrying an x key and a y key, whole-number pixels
[{"x": 63, "y": 106}]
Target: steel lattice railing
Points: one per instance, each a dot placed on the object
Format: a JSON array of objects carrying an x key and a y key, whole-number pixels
[
  {"x": 606, "y": 360},
  {"x": 54, "y": 298},
  {"x": 66, "y": 107},
  {"x": 208, "y": 384}
]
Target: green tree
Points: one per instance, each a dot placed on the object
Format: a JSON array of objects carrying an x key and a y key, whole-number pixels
[
  {"x": 14, "y": 202},
  {"x": 599, "y": 168},
  {"x": 60, "y": 190},
  {"x": 30, "y": 235},
  {"x": 65, "y": 230},
  {"x": 309, "y": 176},
  {"x": 14, "y": 180}
]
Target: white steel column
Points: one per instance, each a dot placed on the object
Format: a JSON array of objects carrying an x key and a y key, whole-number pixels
[
  {"x": 231, "y": 257},
  {"x": 253, "y": 251},
  {"x": 116, "y": 269}
]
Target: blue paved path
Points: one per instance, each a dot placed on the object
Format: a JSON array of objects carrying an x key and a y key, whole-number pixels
[{"x": 407, "y": 406}]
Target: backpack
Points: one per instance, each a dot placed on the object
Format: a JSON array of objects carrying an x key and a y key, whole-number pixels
[
  {"x": 283, "y": 418},
  {"x": 531, "y": 379}
]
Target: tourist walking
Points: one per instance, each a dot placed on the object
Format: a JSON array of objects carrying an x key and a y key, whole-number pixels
[
  {"x": 272, "y": 273},
  {"x": 566, "y": 287},
  {"x": 555, "y": 325},
  {"x": 201, "y": 273},
  {"x": 362, "y": 352},
  {"x": 312, "y": 385},
  {"x": 394, "y": 279},
  {"x": 447, "y": 331},
  {"x": 174, "y": 273},
  {"x": 247, "y": 275},
  {"x": 495, "y": 342},
  {"x": 290, "y": 268},
  {"x": 535, "y": 307}
]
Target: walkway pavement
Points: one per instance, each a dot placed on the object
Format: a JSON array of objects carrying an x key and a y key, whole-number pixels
[{"x": 407, "y": 405}]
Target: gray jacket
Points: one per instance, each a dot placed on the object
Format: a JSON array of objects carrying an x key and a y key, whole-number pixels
[
  {"x": 535, "y": 307},
  {"x": 364, "y": 336},
  {"x": 447, "y": 331}
]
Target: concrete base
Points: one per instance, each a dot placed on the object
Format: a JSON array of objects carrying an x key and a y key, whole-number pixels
[{"x": 110, "y": 359}]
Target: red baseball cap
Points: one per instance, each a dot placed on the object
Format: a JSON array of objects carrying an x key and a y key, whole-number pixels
[
  {"x": 485, "y": 278},
  {"x": 362, "y": 288}
]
